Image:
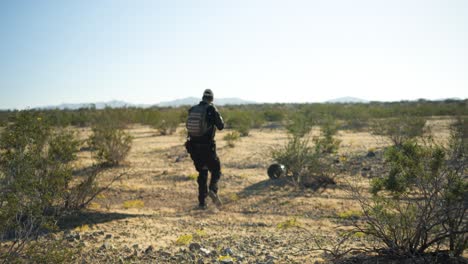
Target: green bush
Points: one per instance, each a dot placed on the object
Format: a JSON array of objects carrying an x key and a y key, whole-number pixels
[
  {"x": 35, "y": 173},
  {"x": 231, "y": 138},
  {"x": 274, "y": 114},
  {"x": 168, "y": 121},
  {"x": 303, "y": 162},
  {"x": 111, "y": 145},
  {"x": 240, "y": 121},
  {"x": 326, "y": 142},
  {"x": 299, "y": 125},
  {"x": 400, "y": 129},
  {"x": 421, "y": 204},
  {"x": 36, "y": 183}
]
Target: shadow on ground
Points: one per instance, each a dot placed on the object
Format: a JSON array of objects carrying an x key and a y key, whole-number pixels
[
  {"x": 314, "y": 183},
  {"x": 90, "y": 218}
]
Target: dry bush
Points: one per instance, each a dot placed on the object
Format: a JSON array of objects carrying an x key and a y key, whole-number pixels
[
  {"x": 36, "y": 181},
  {"x": 231, "y": 138},
  {"x": 305, "y": 164},
  {"x": 168, "y": 121},
  {"x": 420, "y": 205},
  {"x": 35, "y": 172},
  {"x": 400, "y": 129},
  {"x": 111, "y": 144},
  {"x": 327, "y": 143},
  {"x": 299, "y": 125}
]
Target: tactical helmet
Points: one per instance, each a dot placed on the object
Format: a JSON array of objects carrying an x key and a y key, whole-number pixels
[
  {"x": 208, "y": 93},
  {"x": 276, "y": 171}
]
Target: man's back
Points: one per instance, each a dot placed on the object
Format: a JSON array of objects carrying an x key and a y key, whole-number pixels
[{"x": 213, "y": 120}]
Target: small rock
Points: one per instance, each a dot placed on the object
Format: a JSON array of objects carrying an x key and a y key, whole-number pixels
[
  {"x": 268, "y": 257},
  {"x": 367, "y": 168},
  {"x": 108, "y": 236},
  {"x": 228, "y": 251},
  {"x": 106, "y": 246},
  {"x": 252, "y": 252},
  {"x": 136, "y": 246},
  {"x": 370, "y": 154},
  {"x": 126, "y": 249},
  {"x": 99, "y": 233},
  {"x": 194, "y": 246},
  {"x": 205, "y": 251},
  {"x": 149, "y": 250},
  {"x": 200, "y": 261}
]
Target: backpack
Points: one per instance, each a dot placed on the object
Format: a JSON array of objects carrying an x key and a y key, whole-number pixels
[{"x": 197, "y": 124}]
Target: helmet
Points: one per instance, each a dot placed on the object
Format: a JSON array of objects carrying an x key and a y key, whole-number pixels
[{"x": 276, "y": 171}]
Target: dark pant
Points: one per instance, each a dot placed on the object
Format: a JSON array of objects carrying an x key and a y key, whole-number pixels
[{"x": 205, "y": 159}]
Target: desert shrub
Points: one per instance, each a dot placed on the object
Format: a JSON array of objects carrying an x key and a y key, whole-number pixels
[
  {"x": 231, "y": 138},
  {"x": 326, "y": 142},
  {"x": 35, "y": 173},
  {"x": 110, "y": 144},
  {"x": 420, "y": 204},
  {"x": 37, "y": 186},
  {"x": 274, "y": 114},
  {"x": 400, "y": 129},
  {"x": 299, "y": 124},
  {"x": 168, "y": 121},
  {"x": 240, "y": 121},
  {"x": 458, "y": 144},
  {"x": 303, "y": 162}
]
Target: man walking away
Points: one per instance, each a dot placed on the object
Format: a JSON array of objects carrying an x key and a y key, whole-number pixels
[{"x": 202, "y": 121}]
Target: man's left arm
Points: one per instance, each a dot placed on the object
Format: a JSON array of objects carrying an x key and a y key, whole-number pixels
[{"x": 219, "y": 122}]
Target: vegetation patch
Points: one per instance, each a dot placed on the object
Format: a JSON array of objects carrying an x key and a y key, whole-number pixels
[{"x": 133, "y": 204}]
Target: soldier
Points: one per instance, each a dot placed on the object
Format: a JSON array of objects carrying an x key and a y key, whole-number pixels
[{"x": 202, "y": 122}]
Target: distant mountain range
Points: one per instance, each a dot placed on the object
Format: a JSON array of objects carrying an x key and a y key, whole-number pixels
[
  {"x": 347, "y": 99},
  {"x": 194, "y": 100},
  {"x": 173, "y": 103},
  {"x": 97, "y": 105}
]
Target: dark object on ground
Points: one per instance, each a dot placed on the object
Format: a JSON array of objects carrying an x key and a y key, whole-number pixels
[{"x": 276, "y": 171}]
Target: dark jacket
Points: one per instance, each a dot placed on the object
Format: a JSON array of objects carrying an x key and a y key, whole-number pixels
[{"x": 214, "y": 120}]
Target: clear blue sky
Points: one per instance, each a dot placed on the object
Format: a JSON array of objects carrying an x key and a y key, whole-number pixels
[{"x": 53, "y": 52}]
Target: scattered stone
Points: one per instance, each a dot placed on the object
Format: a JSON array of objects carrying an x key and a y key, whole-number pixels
[
  {"x": 205, "y": 251},
  {"x": 228, "y": 251},
  {"x": 149, "y": 250},
  {"x": 239, "y": 257},
  {"x": 194, "y": 246},
  {"x": 108, "y": 236},
  {"x": 367, "y": 168},
  {"x": 107, "y": 246}
]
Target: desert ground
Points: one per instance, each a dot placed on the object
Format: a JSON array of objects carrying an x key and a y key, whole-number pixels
[{"x": 150, "y": 215}]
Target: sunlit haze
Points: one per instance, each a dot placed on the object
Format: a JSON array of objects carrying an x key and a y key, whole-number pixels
[{"x": 145, "y": 52}]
